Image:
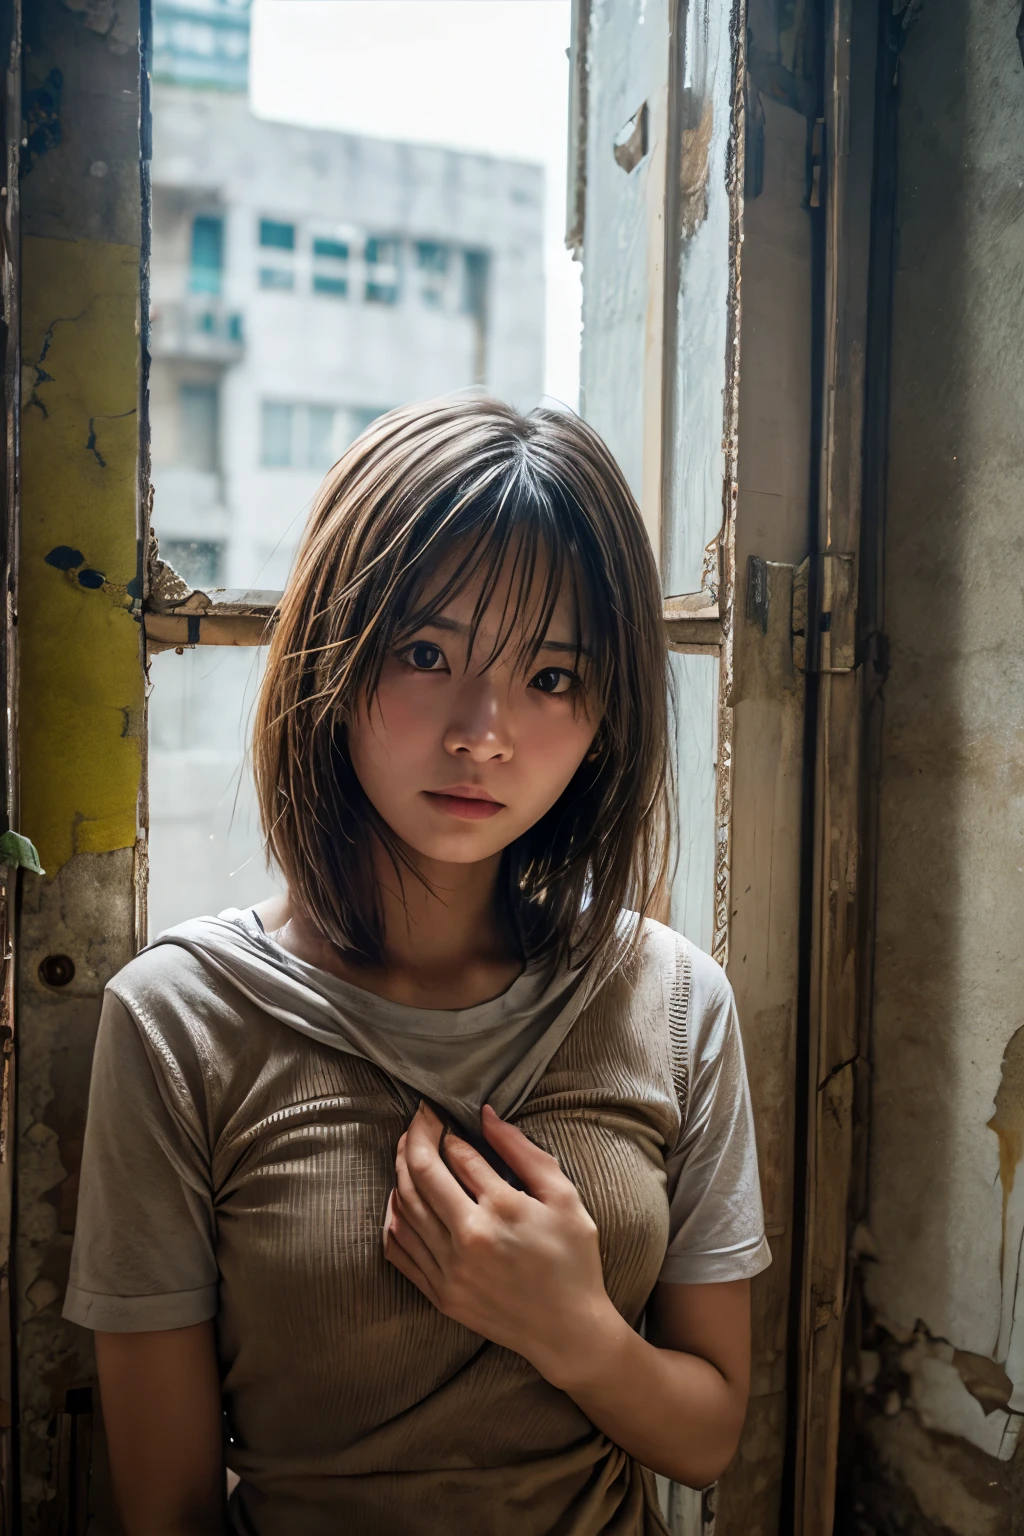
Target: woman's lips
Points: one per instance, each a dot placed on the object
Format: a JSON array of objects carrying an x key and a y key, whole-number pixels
[{"x": 467, "y": 807}]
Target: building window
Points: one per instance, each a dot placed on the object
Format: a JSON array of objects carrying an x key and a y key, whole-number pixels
[
  {"x": 275, "y": 236},
  {"x": 199, "y": 561},
  {"x": 276, "y": 278},
  {"x": 207, "y": 254},
  {"x": 296, "y": 435},
  {"x": 330, "y": 266},
  {"x": 200, "y": 426},
  {"x": 382, "y": 271},
  {"x": 431, "y": 272},
  {"x": 475, "y": 273},
  {"x": 361, "y": 416},
  {"x": 276, "y": 434},
  {"x": 279, "y": 237}
]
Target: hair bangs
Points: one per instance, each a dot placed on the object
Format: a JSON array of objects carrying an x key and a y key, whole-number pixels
[{"x": 512, "y": 532}]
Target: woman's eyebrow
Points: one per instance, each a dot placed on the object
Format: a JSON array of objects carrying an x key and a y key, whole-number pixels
[{"x": 453, "y": 627}]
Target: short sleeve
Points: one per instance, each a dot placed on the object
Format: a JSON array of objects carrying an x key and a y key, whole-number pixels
[
  {"x": 144, "y": 1251},
  {"x": 716, "y": 1219}
]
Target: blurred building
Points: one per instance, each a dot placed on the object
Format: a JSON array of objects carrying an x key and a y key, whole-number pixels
[{"x": 302, "y": 281}]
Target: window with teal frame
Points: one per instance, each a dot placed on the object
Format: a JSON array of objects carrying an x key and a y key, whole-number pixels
[{"x": 207, "y": 266}]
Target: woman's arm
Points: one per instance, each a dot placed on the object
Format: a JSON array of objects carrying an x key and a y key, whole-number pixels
[
  {"x": 162, "y": 1414},
  {"x": 676, "y": 1400},
  {"x": 524, "y": 1269}
]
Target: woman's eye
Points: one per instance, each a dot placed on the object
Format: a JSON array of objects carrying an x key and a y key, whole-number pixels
[
  {"x": 554, "y": 680},
  {"x": 424, "y": 656}
]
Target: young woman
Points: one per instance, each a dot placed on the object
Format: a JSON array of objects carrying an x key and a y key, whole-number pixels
[{"x": 381, "y": 1179}]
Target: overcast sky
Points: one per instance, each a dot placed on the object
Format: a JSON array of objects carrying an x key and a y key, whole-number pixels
[{"x": 488, "y": 75}]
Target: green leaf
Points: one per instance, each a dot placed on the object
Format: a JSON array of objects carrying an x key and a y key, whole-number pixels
[{"x": 18, "y": 852}]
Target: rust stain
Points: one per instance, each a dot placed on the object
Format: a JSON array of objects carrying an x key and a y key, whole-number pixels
[{"x": 1008, "y": 1120}]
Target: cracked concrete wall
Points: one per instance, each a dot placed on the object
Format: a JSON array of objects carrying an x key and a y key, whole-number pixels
[
  {"x": 947, "y": 1187},
  {"x": 81, "y": 678}
]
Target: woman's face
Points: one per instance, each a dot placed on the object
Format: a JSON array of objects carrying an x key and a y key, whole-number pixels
[{"x": 460, "y": 760}]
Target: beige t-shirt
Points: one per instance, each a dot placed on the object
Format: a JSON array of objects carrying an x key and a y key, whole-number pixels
[{"x": 237, "y": 1165}]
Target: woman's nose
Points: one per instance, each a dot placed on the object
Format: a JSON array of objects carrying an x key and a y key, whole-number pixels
[{"x": 481, "y": 728}]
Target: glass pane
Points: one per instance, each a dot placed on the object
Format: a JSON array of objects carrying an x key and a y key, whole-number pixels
[
  {"x": 474, "y": 288},
  {"x": 207, "y": 254},
  {"x": 281, "y": 236},
  {"x": 275, "y": 277},
  {"x": 355, "y": 205},
  {"x": 320, "y": 443},
  {"x": 276, "y": 437},
  {"x": 200, "y": 561},
  {"x": 204, "y": 836},
  {"x": 324, "y": 284},
  {"x": 198, "y": 425},
  {"x": 334, "y": 248},
  {"x": 695, "y": 690}
]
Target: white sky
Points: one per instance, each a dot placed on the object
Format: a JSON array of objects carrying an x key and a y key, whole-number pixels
[{"x": 489, "y": 75}]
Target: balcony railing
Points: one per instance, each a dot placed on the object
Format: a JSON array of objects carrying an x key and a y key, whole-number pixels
[{"x": 199, "y": 326}]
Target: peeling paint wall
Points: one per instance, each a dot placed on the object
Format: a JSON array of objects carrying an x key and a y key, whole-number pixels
[
  {"x": 81, "y": 678},
  {"x": 946, "y": 1217},
  {"x": 627, "y": 64}
]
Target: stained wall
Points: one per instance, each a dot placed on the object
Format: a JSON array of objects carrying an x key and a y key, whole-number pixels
[{"x": 943, "y": 1249}]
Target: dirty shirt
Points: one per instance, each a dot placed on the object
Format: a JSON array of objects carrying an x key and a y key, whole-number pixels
[{"x": 244, "y": 1115}]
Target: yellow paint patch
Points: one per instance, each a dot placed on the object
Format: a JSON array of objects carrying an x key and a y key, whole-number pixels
[{"x": 81, "y": 679}]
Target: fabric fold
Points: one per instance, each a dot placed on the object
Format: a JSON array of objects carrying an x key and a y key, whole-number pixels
[{"x": 458, "y": 1059}]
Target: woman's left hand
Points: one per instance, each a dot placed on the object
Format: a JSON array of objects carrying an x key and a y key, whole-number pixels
[{"x": 521, "y": 1268}]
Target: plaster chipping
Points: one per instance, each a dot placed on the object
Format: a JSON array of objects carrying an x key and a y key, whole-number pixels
[{"x": 1008, "y": 1125}]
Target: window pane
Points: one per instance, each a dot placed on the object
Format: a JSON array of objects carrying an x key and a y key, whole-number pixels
[
  {"x": 276, "y": 435},
  {"x": 199, "y": 561},
  {"x": 205, "y": 844},
  {"x": 382, "y": 274},
  {"x": 280, "y": 236},
  {"x": 337, "y": 286},
  {"x": 320, "y": 453},
  {"x": 360, "y": 417},
  {"x": 475, "y": 272},
  {"x": 336, "y": 249},
  {"x": 431, "y": 257},
  {"x": 380, "y": 310},
  {"x": 207, "y": 254},
  {"x": 199, "y": 427},
  {"x": 273, "y": 277}
]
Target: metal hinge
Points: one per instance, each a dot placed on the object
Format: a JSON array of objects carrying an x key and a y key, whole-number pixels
[{"x": 825, "y": 614}]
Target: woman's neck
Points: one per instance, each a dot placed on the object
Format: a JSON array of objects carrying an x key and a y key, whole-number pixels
[{"x": 444, "y": 946}]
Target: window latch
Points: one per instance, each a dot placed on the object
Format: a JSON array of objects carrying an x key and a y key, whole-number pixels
[{"x": 825, "y": 613}]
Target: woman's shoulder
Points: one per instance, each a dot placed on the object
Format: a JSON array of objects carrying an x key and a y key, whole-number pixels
[
  {"x": 163, "y": 976},
  {"x": 666, "y": 949},
  {"x": 179, "y": 1001}
]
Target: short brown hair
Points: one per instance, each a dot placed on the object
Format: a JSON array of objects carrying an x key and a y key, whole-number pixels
[{"x": 471, "y": 474}]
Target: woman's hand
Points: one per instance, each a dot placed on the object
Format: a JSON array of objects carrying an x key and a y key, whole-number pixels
[
  {"x": 521, "y": 1268},
  {"x": 524, "y": 1270}
]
